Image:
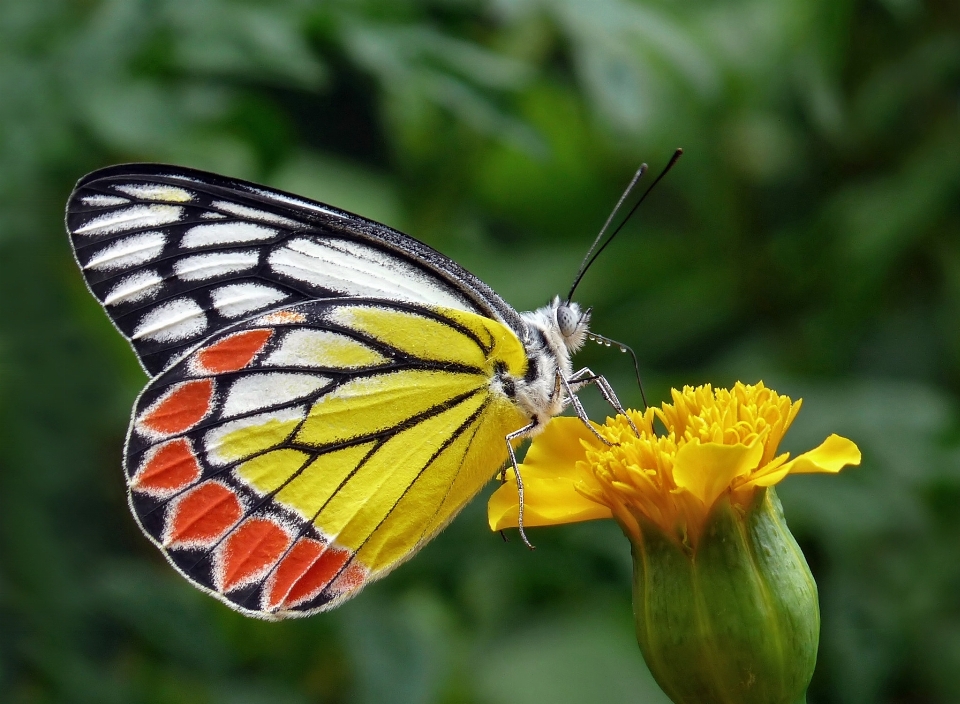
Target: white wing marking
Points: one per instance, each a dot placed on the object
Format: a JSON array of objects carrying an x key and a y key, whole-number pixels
[
  {"x": 254, "y": 214},
  {"x": 156, "y": 191},
  {"x": 136, "y": 287},
  {"x": 174, "y": 320},
  {"x": 128, "y": 252},
  {"x": 209, "y": 266},
  {"x": 353, "y": 269},
  {"x": 322, "y": 348},
  {"x": 225, "y": 233},
  {"x": 211, "y": 215},
  {"x": 258, "y": 391},
  {"x": 273, "y": 195},
  {"x": 131, "y": 218},
  {"x": 236, "y": 299},
  {"x": 104, "y": 201}
]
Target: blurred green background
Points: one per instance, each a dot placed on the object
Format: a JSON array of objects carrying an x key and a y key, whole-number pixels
[{"x": 810, "y": 237}]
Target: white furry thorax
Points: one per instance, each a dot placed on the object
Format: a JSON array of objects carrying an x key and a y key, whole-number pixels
[{"x": 549, "y": 351}]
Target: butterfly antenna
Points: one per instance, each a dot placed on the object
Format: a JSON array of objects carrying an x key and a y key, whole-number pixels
[
  {"x": 606, "y": 341},
  {"x": 591, "y": 256},
  {"x": 586, "y": 259}
]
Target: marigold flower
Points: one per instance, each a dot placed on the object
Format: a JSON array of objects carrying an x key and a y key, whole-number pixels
[
  {"x": 717, "y": 442},
  {"x": 725, "y": 606}
]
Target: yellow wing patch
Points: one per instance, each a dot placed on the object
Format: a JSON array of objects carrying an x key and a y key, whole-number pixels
[
  {"x": 375, "y": 404},
  {"x": 435, "y": 340},
  {"x": 371, "y": 494},
  {"x": 270, "y": 471},
  {"x": 438, "y": 494},
  {"x": 501, "y": 343},
  {"x": 309, "y": 492},
  {"x": 486, "y": 449}
]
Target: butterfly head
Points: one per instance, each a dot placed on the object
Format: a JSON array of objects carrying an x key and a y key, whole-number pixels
[
  {"x": 562, "y": 327},
  {"x": 573, "y": 323}
]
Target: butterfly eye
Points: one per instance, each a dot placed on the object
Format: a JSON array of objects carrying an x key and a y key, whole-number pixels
[{"x": 567, "y": 320}]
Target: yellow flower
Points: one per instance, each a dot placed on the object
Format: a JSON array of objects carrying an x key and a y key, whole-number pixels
[
  {"x": 718, "y": 442},
  {"x": 725, "y": 606}
]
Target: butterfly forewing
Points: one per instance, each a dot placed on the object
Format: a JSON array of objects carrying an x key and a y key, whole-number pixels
[
  {"x": 290, "y": 459},
  {"x": 176, "y": 255}
]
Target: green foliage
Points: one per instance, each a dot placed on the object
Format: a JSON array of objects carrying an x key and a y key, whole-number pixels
[{"x": 810, "y": 236}]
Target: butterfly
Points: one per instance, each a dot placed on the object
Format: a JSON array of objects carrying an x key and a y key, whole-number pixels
[{"x": 325, "y": 394}]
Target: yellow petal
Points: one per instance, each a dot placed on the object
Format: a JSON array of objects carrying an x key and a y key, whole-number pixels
[
  {"x": 830, "y": 457},
  {"x": 834, "y": 454},
  {"x": 546, "y": 502},
  {"x": 706, "y": 470},
  {"x": 555, "y": 452},
  {"x": 550, "y": 474}
]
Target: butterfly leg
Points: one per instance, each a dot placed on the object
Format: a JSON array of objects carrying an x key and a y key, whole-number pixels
[
  {"x": 585, "y": 376},
  {"x": 525, "y": 430},
  {"x": 579, "y": 410}
]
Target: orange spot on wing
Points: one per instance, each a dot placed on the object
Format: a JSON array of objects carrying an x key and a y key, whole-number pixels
[
  {"x": 252, "y": 549},
  {"x": 170, "y": 467},
  {"x": 350, "y": 579},
  {"x": 203, "y": 515},
  {"x": 280, "y": 317},
  {"x": 233, "y": 352},
  {"x": 304, "y": 572},
  {"x": 182, "y": 408}
]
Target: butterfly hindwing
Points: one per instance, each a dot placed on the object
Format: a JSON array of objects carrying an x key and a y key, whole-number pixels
[
  {"x": 291, "y": 458},
  {"x": 175, "y": 255}
]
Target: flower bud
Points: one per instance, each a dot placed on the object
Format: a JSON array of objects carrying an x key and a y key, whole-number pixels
[{"x": 733, "y": 619}]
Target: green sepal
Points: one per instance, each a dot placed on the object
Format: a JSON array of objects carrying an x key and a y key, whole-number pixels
[{"x": 733, "y": 619}]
